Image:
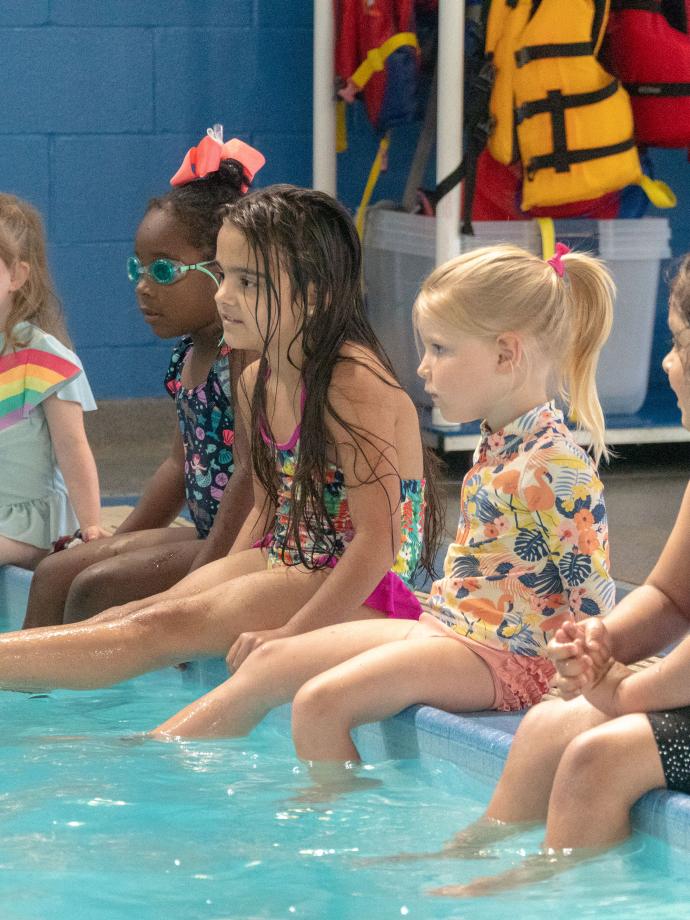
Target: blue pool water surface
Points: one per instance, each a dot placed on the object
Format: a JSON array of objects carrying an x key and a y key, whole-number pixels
[{"x": 98, "y": 824}]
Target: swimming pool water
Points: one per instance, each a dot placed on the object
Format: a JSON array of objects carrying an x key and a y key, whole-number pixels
[{"x": 96, "y": 827}]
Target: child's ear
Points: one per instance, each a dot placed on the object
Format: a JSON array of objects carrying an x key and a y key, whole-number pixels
[
  {"x": 509, "y": 352},
  {"x": 19, "y": 275}
]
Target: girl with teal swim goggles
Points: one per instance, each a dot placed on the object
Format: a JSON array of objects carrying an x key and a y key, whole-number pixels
[
  {"x": 174, "y": 243},
  {"x": 165, "y": 271}
]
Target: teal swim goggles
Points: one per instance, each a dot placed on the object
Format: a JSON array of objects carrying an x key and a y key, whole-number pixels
[{"x": 165, "y": 271}]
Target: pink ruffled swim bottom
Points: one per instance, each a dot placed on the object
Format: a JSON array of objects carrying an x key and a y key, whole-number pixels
[{"x": 519, "y": 681}]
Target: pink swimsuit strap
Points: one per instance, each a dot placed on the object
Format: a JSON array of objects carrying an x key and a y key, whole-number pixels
[{"x": 294, "y": 437}]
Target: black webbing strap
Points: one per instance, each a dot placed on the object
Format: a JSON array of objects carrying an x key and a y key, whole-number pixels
[
  {"x": 540, "y": 52},
  {"x": 658, "y": 89},
  {"x": 649, "y": 6},
  {"x": 478, "y": 124},
  {"x": 568, "y": 101},
  {"x": 569, "y": 157}
]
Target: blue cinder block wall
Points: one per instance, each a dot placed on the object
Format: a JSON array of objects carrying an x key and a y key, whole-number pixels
[{"x": 100, "y": 100}]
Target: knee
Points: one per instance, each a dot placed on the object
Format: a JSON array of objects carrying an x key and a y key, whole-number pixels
[
  {"x": 266, "y": 658},
  {"x": 88, "y": 590},
  {"x": 162, "y": 627},
  {"x": 56, "y": 569},
  {"x": 319, "y": 700},
  {"x": 588, "y": 760},
  {"x": 539, "y": 725}
]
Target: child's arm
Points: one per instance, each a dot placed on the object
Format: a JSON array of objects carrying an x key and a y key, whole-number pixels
[
  {"x": 370, "y": 466},
  {"x": 658, "y": 613},
  {"x": 238, "y": 498},
  {"x": 66, "y": 425},
  {"x": 164, "y": 495},
  {"x": 664, "y": 685}
]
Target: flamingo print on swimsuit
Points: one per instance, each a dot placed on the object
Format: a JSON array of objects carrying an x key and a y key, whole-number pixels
[{"x": 512, "y": 507}]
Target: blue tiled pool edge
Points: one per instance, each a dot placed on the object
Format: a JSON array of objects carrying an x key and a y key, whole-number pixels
[{"x": 478, "y": 742}]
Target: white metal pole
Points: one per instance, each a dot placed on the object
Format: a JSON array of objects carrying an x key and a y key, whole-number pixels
[
  {"x": 451, "y": 54},
  {"x": 324, "y": 175}
]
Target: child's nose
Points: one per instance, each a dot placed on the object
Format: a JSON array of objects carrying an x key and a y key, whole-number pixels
[
  {"x": 143, "y": 283},
  {"x": 221, "y": 295},
  {"x": 423, "y": 370}
]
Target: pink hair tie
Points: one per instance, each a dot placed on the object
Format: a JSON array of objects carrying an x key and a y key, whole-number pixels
[
  {"x": 206, "y": 157},
  {"x": 556, "y": 261}
]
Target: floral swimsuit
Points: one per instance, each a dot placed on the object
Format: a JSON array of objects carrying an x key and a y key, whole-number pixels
[
  {"x": 393, "y": 595},
  {"x": 207, "y": 421},
  {"x": 532, "y": 544}
]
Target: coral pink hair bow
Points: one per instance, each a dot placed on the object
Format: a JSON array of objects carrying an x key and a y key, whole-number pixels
[{"x": 206, "y": 157}]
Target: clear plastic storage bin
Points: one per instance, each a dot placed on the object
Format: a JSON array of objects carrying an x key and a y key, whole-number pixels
[{"x": 399, "y": 253}]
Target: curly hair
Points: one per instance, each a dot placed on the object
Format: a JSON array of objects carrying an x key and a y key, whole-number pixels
[{"x": 198, "y": 206}]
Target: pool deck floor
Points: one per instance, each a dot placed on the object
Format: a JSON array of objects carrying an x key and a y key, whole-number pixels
[{"x": 643, "y": 489}]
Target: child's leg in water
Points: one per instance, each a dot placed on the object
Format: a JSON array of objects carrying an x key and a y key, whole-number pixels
[
  {"x": 78, "y": 583},
  {"x": 521, "y": 797},
  {"x": 381, "y": 682},
  {"x": 273, "y": 673},
  {"x": 104, "y": 651},
  {"x": 602, "y": 773}
]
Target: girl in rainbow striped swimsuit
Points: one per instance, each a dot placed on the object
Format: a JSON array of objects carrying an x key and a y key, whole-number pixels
[{"x": 49, "y": 483}]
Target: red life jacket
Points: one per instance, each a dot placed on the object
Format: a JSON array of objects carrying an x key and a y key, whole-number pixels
[
  {"x": 652, "y": 59},
  {"x": 377, "y": 54},
  {"x": 499, "y": 191}
]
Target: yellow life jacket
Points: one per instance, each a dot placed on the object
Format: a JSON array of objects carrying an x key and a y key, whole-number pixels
[{"x": 553, "y": 105}]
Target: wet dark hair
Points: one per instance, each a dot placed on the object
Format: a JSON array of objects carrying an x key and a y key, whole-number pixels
[
  {"x": 312, "y": 238},
  {"x": 679, "y": 298},
  {"x": 199, "y": 205}
]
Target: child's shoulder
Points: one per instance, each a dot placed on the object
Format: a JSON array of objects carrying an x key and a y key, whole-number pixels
[
  {"x": 28, "y": 335},
  {"x": 359, "y": 370},
  {"x": 556, "y": 448}
]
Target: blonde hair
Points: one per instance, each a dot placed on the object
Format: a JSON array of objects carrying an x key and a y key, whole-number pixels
[
  {"x": 22, "y": 239},
  {"x": 503, "y": 288},
  {"x": 679, "y": 299}
]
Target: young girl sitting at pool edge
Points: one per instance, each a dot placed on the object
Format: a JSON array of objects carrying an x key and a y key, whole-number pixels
[
  {"x": 339, "y": 480},
  {"x": 503, "y": 332},
  {"x": 581, "y": 762},
  {"x": 49, "y": 482},
  {"x": 207, "y": 468}
]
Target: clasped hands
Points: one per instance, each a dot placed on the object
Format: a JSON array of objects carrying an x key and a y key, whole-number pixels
[{"x": 582, "y": 654}]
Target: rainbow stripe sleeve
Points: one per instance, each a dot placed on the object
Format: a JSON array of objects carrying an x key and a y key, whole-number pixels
[{"x": 27, "y": 377}]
